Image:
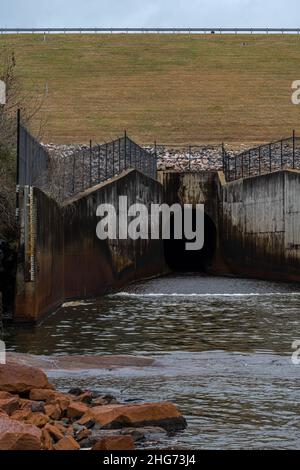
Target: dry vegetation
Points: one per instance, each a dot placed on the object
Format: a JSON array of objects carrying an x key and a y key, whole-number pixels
[
  {"x": 29, "y": 103},
  {"x": 172, "y": 88}
]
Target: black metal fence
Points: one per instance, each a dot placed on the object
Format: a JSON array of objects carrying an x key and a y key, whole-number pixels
[
  {"x": 279, "y": 155},
  {"x": 33, "y": 160},
  {"x": 62, "y": 175}
]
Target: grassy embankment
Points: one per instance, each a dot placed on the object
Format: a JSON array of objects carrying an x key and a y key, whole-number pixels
[{"x": 173, "y": 88}]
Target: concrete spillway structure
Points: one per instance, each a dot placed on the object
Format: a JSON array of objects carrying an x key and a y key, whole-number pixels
[
  {"x": 61, "y": 257},
  {"x": 253, "y": 224},
  {"x": 252, "y": 228}
]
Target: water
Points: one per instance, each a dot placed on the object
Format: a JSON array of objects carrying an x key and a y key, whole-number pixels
[{"x": 223, "y": 348}]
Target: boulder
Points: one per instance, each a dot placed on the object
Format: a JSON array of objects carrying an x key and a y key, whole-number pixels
[
  {"x": 18, "y": 378},
  {"x": 38, "y": 419},
  {"x": 54, "y": 431},
  {"x": 9, "y": 405},
  {"x": 47, "y": 442},
  {"x": 50, "y": 396},
  {"x": 42, "y": 394},
  {"x": 115, "y": 443},
  {"x": 164, "y": 415},
  {"x": 86, "y": 397},
  {"x": 4, "y": 395},
  {"x": 15, "y": 435},
  {"x": 53, "y": 411},
  {"x": 66, "y": 443},
  {"x": 21, "y": 415},
  {"x": 76, "y": 410}
]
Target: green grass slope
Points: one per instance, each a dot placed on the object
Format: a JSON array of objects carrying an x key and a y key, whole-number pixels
[{"x": 177, "y": 89}]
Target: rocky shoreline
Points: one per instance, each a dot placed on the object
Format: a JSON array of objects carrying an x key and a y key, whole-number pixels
[{"x": 35, "y": 416}]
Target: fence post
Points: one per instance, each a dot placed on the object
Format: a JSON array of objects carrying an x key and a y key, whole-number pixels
[
  {"x": 223, "y": 157},
  {"x": 113, "y": 162},
  {"x": 155, "y": 160},
  {"x": 105, "y": 160},
  {"x": 235, "y": 168},
  {"x": 242, "y": 164},
  {"x": 140, "y": 159},
  {"x": 294, "y": 135},
  {"x": 125, "y": 148},
  {"x": 73, "y": 179},
  {"x": 99, "y": 158},
  {"x": 90, "y": 163},
  {"x": 130, "y": 153},
  {"x": 18, "y": 164},
  {"x": 249, "y": 162},
  {"x": 119, "y": 149},
  {"x": 270, "y": 157},
  {"x": 83, "y": 168},
  {"x": 190, "y": 149},
  {"x": 259, "y": 159},
  {"x": 281, "y": 154}
]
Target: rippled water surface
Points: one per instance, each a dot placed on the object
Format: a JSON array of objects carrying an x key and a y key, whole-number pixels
[{"x": 223, "y": 346}]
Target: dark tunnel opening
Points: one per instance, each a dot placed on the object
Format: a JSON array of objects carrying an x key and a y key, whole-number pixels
[{"x": 179, "y": 259}]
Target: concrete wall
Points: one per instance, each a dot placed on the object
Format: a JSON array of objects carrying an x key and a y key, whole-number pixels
[
  {"x": 40, "y": 269},
  {"x": 257, "y": 220},
  {"x": 60, "y": 256},
  {"x": 260, "y": 232},
  {"x": 92, "y": 266}
]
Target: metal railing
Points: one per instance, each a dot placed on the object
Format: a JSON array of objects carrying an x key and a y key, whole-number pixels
[
  {"x": 63, "y": 175},
  {"x": 33, "y": 160},
  {"x": 217, "y": 30},
  {"x": 267, "y": 158}
]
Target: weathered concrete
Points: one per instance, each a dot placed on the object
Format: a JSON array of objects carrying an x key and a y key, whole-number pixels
[
  {"x": 255, "y": 231},
  {"x": 257, "y": 220},
  {"x": 40, "y": 271},
  {"x": 93, "y": 267},
  {"x": 260, "y": 232},
  {"x": 61, "y": 257}
]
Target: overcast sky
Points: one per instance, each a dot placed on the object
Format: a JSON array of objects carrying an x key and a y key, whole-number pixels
[{"x": 149, "y": 13}]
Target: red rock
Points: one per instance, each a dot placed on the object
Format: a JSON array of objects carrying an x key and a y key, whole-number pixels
[
  {"x": 67, "y": 443},
  {"x": 54, "y": 432},
  {"x": 47, "y": 442},
  {"x": 86, "y": 418},
  {"x": 42, "y": 394},
  {"x": 85, "y": 397},
  {"x": 38, "y": 419},
  {"x": 63, "y": 429},
  {"x": 115, "y": 443},
  {"x": 62, "y": 401},
  {"x": 4, "y": 395},
  {"x": 76, "y": 410},
  {"x": 83, "y": 433},
  {"x": 162, "y": 414},
  {"x": 53, "y": 411},
  {"x": 15, "y": 435},
  {"x": 21, "y": 415},
  {"x": 26, "y": 404},
  {"x": 2, "y": 413},
  {"x": 9, "y": 405},
  {"x": 18, "y": 378}
]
